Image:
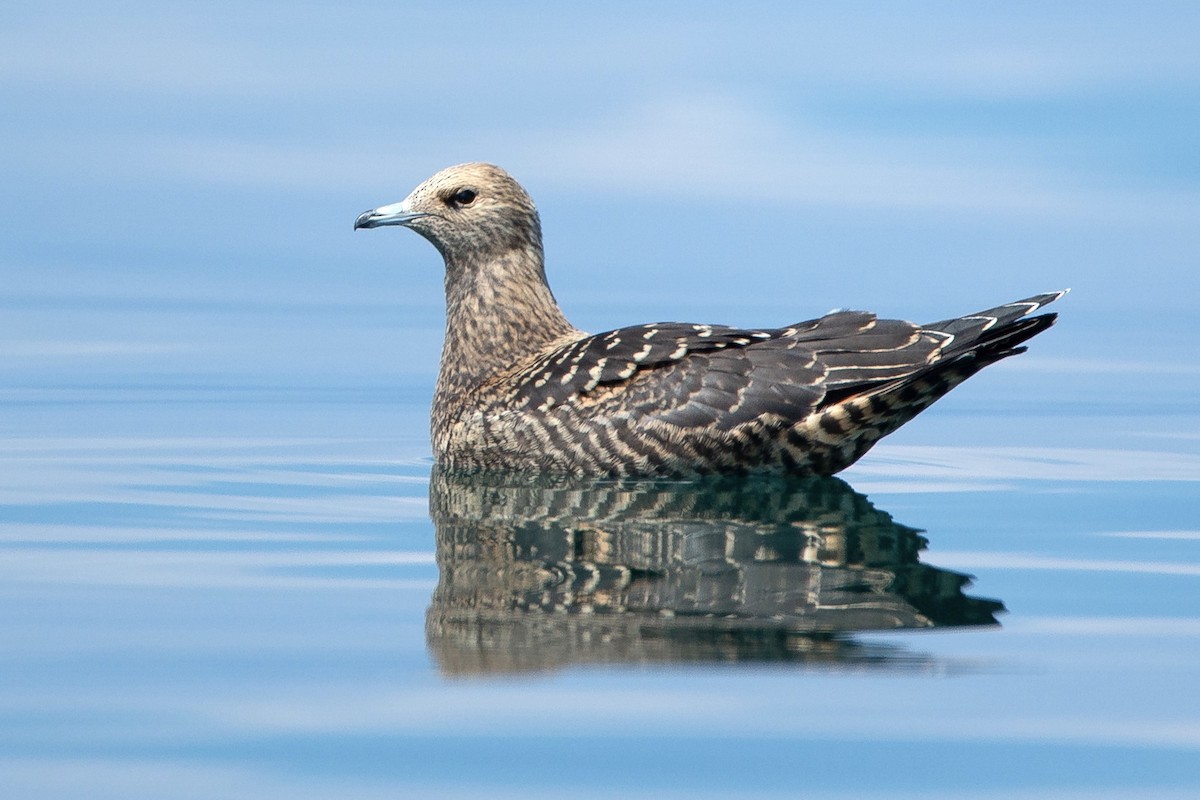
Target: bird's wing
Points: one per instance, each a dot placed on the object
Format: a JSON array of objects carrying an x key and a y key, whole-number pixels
[
  {"x": 702, "y": 375},
  {"x": 617, "y": 356},
  {"x": 859, "y": 350},
  {"x": 863, "y": 352},
  {"x": 721, "y": 377}
]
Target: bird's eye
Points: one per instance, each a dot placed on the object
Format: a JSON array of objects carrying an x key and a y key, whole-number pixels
[{"x": 463, "y": 197}]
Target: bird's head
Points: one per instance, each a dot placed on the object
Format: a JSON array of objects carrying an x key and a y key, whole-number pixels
[{"x": 470, "y": 212}]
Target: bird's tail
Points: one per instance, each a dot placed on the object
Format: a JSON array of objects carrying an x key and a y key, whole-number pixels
[
  {"x": 985, "y": 330},
  {"x": 975, "y": 341}
]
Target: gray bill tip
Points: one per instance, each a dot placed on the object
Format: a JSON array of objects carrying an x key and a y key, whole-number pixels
[
  {"x": 394, "y": 214},
  {"x": 365, "y": 220}
]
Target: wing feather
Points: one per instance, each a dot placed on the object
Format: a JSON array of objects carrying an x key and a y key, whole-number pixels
[{"x": 719, "y": 377}]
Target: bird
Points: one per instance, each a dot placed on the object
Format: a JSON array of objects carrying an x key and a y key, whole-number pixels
[{"x": 520, "y": 388}]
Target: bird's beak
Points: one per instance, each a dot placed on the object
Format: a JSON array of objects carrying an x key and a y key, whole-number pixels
[{"x": 394, "y": 214}]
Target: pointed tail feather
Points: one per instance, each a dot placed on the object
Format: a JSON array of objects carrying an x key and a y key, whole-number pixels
[{"x": 970, "y": 331}]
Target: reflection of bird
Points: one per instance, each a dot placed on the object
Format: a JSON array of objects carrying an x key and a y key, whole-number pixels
[
  {"x": 520, "y": 387},
  {"x": 542, "y": 570}
]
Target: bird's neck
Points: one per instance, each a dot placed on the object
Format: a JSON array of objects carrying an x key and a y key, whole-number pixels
[{"x": 499, "y": 315}]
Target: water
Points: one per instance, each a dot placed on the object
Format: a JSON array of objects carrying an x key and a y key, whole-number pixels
[{"x": 259, "y": 612}]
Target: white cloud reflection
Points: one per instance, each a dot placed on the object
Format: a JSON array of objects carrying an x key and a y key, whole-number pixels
[
  {"x": 939, "y": 468},
  {"x": 193, "y": 568},
  {"x": 980, "y": 559}
]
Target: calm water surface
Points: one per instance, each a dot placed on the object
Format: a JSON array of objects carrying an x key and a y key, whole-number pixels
[
  {"x": 227, "y": 570},
  {"x": 240, "y": 589}
]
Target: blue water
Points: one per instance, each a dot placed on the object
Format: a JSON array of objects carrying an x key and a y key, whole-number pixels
[
  {"x": 223, "y": 591},
  {"x": 219, "y": 572}
]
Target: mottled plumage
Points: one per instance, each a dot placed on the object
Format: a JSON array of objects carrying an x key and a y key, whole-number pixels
[{"x": 521, "y": 388}]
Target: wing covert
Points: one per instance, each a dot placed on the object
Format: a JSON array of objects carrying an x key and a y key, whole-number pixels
[{"x": 616, "y": 356}]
